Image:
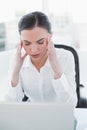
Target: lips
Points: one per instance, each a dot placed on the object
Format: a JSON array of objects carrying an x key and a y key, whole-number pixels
[{"x": 35, "y": 56}]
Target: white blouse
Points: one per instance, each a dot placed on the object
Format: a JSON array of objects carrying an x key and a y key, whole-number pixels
[{"x": 41, "y": 86}]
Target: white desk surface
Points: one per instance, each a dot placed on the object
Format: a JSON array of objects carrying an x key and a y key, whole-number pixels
[{"x": 81, "y": 117}]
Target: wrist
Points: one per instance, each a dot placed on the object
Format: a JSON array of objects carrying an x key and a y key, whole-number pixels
[
  {"x": 57, "y": 75},
  {"x": 15, "y": 78},
  {"x": 13, "y": 84}
]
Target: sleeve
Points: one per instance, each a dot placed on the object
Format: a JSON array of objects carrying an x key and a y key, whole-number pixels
[
  {"x": 65, "y": 87},
  {"x": 14, "y": 93}
]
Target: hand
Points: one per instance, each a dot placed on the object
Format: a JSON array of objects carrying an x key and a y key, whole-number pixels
[
  {"x": 19, "y": 59},
  {"x": 53, "y": 59}
]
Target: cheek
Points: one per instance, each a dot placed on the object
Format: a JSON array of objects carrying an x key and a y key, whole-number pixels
[{"x": 43, "y": 47}]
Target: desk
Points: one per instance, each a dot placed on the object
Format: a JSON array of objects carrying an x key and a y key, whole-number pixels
[{"x": 81, "y": 117}]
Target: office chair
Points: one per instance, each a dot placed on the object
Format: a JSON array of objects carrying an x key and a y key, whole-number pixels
[{"x": 82, "y": 102}]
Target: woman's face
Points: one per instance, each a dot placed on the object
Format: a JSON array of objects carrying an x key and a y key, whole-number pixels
[{"x": 35, "y": 42}]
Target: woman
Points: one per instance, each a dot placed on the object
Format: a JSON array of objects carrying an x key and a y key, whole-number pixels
[{"x": 40, "y": 71}]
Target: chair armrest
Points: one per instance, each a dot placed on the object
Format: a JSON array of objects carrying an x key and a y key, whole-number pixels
[{"x": 83, "y": 97}]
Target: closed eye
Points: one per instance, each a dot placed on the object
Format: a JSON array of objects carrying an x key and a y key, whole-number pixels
[
  {"x": 41, "y": 42},
  {"x": 26, "y": 43}
]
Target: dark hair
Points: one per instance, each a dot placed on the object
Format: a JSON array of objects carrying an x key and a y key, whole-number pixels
[{"x": 34, "y": 19}]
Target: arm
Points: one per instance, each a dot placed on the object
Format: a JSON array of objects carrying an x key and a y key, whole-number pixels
[
  {"x": 53, "y": 59},
  {"x": 17, "y": 65},
  {"x": 15, "y": 93},
  {"x": 65, "y": 87},
  {"x": 64, "y": 82}
]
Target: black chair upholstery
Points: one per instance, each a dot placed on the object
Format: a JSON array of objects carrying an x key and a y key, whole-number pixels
[{"x": 82, "y": 103}]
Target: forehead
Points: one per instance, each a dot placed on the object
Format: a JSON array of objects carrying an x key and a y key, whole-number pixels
[{"x": 34, "y": 34}]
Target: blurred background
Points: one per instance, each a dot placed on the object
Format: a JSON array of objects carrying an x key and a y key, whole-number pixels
[
  {"x": 69, "y": 26},
  {"x": 68, "y": 18}
]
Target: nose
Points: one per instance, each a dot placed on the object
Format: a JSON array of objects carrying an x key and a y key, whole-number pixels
[{"x": 34, "y": 48}]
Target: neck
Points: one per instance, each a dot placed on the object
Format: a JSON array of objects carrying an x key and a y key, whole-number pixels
[{"x": 39, "y": 63}]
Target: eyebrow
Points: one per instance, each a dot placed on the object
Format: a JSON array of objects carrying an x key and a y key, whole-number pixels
[
  {"x": 36, "y": 41},
  {"x": 40, "y": 39}
]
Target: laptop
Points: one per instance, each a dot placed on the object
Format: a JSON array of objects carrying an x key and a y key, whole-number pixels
[{"x": 36, "y": 116}]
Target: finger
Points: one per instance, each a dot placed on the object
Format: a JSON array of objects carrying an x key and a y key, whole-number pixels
[
  {"x": 48, "y": 42},
  {"x": 19, "y": 48},
  {"x": 20, "y": 43}
]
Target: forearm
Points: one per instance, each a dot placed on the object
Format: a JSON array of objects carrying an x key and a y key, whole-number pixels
[
  {"x": 58, "y": 75},
  {"x": 56, "y": 66},
  {"x": 54, "y": 61},
  {"x": 15, "y": 78},
  {"x": 17, "y": 64},
  {"x": 57, "y": 69}
]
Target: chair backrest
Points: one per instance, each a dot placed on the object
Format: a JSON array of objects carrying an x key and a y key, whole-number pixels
[{"x": 77, "y": 74}]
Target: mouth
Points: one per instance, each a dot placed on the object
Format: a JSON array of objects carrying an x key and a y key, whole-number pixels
[{"x": 35, "y": 56}]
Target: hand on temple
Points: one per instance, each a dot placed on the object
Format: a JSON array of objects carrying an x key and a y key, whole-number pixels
[
  {"x": 53, "y": 59},
  {"x": 19, "y": 58}
]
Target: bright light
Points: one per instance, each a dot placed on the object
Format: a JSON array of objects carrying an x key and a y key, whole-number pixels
[{"x": 9, "y": 8}]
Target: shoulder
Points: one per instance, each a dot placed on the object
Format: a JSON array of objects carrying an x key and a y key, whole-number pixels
[{"x": 63, "y": 53}]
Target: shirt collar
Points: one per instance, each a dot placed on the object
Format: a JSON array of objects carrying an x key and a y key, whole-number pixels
[{"x": 28, "y": 63}]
